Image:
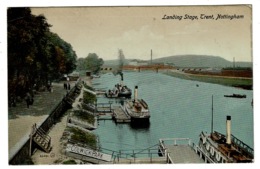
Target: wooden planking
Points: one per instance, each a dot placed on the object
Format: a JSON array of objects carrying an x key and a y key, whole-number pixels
[{"x": 120, "y": 116}]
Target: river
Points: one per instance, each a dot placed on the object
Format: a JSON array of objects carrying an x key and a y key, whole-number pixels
[{"x": 179, "y": 109}]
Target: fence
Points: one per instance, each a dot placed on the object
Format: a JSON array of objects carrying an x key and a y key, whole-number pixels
[{"x": 18, "y": 155}]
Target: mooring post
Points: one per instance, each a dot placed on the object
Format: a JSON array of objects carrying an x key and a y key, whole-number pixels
[
  {"x": 30, "y": 148},
  {"x": 31, "y": 137},
  {"x": 150, "y": 155},
  {"x": 166, "y": 154}
]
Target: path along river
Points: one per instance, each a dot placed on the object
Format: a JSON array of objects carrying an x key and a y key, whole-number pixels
[{"x": 179, "y": 109}]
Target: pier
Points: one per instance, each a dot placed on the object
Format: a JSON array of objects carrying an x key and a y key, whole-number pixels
[
  {"x": 179, "y": 151},
  {"x": 120, "y": 116},
  {"x": 105, "y": 111}
]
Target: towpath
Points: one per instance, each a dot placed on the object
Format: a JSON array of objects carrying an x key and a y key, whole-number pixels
[
  {"x": 56, "y": 156},
  {"x": 21, "y": 118}
]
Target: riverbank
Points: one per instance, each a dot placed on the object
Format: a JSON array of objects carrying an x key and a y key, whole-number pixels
[
  {"x": 244, "y": 83},
  {"x": 57, "y": 156},
  {"x": 21, "y": 118}
]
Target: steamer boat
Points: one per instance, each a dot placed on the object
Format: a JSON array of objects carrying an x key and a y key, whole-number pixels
[
  {"x": 222, "y": 148},
  {"x": 137, "y": 109},
  {"x": 120, "y": 90}
]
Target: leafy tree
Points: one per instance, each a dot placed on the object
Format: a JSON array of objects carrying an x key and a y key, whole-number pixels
[
  {"x": 35, "y": 55},
  {"x": 26, "y": 47},
  {"x": 91, "y": 62},
  {"x": 63, "y": 58}
]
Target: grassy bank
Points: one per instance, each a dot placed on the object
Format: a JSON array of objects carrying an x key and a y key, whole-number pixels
[
  {"x": 234, "y": 82},
  {"x": 83, "y": 137},
  {"x": 84, "y": 116}
]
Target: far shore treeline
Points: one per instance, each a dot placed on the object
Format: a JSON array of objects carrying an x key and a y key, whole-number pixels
[{"x": 37, "y": 56}]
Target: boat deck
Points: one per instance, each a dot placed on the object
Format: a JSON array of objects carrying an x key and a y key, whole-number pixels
[{"x": 120, "y": 116}]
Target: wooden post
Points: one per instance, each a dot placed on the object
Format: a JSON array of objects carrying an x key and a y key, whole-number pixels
[
  {"x": 31, "y": 137},
  {"x": 166, "y": 154},
  {"x": 30, "y": 148}
]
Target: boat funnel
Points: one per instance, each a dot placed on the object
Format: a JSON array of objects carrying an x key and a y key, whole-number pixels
[
  {"x": 228, "y": 136},
  {"x": 136, "y": 93},
  {"x": 122, "y": 79}
]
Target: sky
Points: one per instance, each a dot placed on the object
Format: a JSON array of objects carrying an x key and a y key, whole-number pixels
[{"x": 137, "y": 30}]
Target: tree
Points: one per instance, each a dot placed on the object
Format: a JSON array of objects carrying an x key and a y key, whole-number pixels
[
  {"x": 35, "y": 55},
  {"x": 91, "y": 62},
  {"x": 63, "y": 57},
  {"x": 26, "y": 47}
]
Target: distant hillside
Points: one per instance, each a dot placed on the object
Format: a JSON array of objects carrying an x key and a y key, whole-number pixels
[
  {"x": 191, "y": 61},
  {"x": 200, "y": 61}
]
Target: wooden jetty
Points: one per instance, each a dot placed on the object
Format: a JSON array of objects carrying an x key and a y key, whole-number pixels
[
  {"x": 120, "y": 116},
  {"x": 115, "y": 113},
  {"x": 180, "y": 151}
]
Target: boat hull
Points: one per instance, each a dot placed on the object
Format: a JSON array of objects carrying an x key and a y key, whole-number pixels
[
  {"x": 236, "y": 96},
  {"x": 126, "y": 94},
  {"x": 113, "y": 94},
  {"x": 137, "y": 118}
]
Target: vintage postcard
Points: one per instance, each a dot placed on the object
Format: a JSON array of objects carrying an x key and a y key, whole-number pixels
[{"x": 130, "y": 85}]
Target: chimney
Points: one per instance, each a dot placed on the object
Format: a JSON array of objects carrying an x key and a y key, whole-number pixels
[
  {"x": 122, "y": 79},
  {"x": 136, "y": 93},
  {"x": 228, "y": 136}
]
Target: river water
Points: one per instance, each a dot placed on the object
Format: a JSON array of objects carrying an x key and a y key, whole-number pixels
[{"x": 179, "y": 109}]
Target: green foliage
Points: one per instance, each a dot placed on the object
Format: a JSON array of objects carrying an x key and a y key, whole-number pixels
[
  {"x": 35, "y": 55},
  {"x": 69, "y": 162},
  {"x": 84, "y": 137},
  {"x": 235, "y": 82},
  {"x": 84, "y": 116},
  {"x": 91, "y": 62},
  {"x": 89, "y": 97}
]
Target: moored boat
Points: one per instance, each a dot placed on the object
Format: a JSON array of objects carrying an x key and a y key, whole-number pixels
[
  {"x": 120, "y": 90},
  {"x": 236, "y": 96},
  {"x": 137, "y": 109},
  {"x": 227, "y": 148}
]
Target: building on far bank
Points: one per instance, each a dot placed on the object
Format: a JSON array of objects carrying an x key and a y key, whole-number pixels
[
  {"x": 136, "y": 62},
  {"x": 73, "y": 76}
]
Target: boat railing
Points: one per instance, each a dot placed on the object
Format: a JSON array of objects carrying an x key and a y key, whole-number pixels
[
  {"x": 241, "y": 146},
  {"x": 149, "y": 153},
  {"x": 175, "y": 141},
  {"x": 199, "y": 151},
  {"x": 247, "y": 151}
]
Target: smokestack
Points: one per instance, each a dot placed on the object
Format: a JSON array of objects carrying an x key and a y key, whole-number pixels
[
  {"x": 228, "y": 136},
  {"x": 136, "y": 93},
  {"x": 122, "y": 79}
]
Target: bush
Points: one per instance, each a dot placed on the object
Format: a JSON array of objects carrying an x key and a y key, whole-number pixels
[
  {"x": 69, "y": 162},
  {"x": 85, "y": 116},
  {"x": 83, "y": 137},
  {"x": 89, "y": 97}
]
